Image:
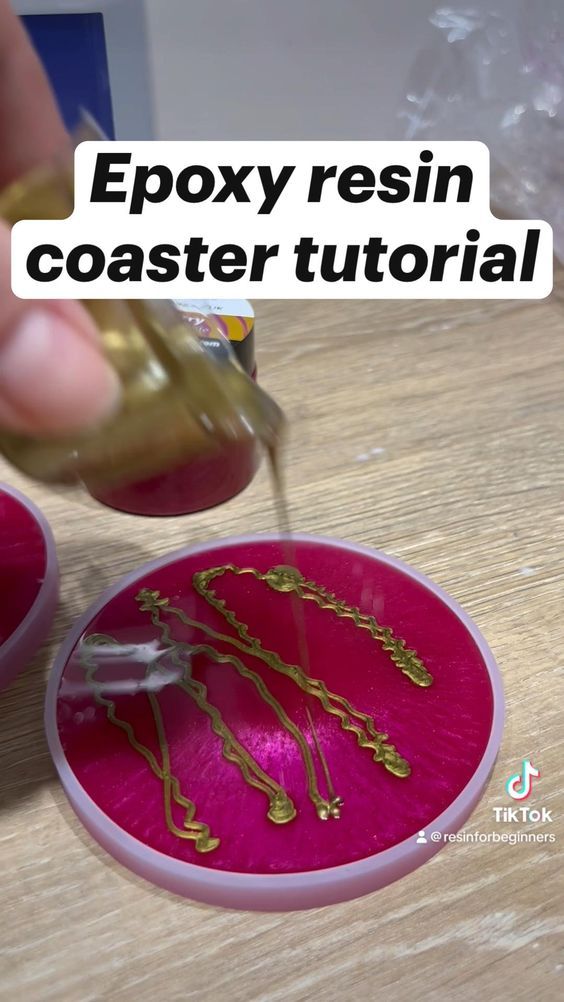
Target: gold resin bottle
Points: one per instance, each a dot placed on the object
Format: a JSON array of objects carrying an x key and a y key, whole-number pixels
[{"x": 178, "y": 401}]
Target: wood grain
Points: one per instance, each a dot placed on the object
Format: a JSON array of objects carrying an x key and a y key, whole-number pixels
[{"x": 434, "y": 431}]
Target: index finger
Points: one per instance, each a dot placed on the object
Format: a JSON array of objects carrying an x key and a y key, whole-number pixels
[{"x": 31, "y": 128}]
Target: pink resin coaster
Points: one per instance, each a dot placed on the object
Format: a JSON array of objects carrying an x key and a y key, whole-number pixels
[
  {"x": 29, "y": 582},
  {"x": 206, "y": 752}
]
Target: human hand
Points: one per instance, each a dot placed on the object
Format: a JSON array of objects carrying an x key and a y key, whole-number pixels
[{"x": 53, "y": 377}]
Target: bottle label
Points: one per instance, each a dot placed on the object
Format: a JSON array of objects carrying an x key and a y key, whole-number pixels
[{"x": 234, "y": 317}]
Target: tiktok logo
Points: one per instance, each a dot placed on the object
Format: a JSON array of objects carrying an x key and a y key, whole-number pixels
[{"x": 520, "y": 785}]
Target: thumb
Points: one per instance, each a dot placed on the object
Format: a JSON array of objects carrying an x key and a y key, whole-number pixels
[{"x": 53, "y": 376}]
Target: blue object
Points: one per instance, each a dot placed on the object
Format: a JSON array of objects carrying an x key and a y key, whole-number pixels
[{"x": 72, "y": 48}]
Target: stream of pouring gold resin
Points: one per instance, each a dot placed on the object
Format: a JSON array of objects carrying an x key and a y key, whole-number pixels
[{"x": 335, "y": 802}]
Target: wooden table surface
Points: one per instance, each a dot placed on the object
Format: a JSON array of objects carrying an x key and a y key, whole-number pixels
[{"x": 433, "y": 431}]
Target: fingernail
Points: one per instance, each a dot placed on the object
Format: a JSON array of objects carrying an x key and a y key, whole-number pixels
[{"x": 54, "y": 379}]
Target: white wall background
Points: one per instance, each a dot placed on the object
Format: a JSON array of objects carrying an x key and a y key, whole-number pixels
[{"x": 285, "y": 69}]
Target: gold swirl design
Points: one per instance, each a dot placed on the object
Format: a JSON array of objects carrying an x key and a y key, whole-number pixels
[
  {"x": 282, "y": 579},
  {"x": 285, "y": 579},
  {"x": 152, "y": 602},
  {"x": 193, "y": 830},
  {"x": 281, "y": 809}
]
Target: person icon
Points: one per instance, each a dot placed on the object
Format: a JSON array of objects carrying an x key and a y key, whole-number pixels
[{"x": 421, "y": 838}]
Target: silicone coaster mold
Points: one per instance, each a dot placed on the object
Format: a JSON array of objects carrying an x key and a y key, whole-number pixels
[
  {"x": 29, "y": 581},
  {"x": 449, "y": 732}
]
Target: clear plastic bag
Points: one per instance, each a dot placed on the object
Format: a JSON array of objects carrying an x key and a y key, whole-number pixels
[{"x": 499, "y": 80}]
